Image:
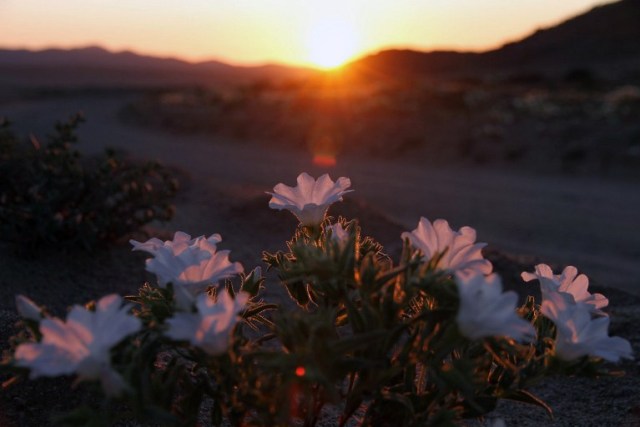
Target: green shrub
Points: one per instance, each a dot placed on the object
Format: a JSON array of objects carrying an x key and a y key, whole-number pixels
[{"x": 49, "y": 194}]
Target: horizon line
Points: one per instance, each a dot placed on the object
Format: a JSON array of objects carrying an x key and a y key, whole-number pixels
[{"x": 296, "y": 64}]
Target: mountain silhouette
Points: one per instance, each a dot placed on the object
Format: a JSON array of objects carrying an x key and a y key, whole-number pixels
[
  {"x": 604, "y": 40},
  {"x": 95, "y": 65}
]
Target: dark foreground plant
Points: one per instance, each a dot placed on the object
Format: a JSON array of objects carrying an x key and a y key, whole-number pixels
[
  {"x": 51, "y": 195},
  {"x": 427, "y": 340}
]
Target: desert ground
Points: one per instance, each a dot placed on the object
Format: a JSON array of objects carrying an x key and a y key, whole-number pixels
[{"x": 589, "y": 222}]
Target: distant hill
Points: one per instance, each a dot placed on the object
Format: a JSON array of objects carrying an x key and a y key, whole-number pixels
[
  {"x": 95, "y": 66},
  {"x": 605, "y": 40}
]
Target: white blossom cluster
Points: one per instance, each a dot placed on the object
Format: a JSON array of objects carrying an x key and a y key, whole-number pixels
[
  {"x": 82, "y": 343},
  {"x": 484, "y": 310},
  {"x": 582, "y": 327}
]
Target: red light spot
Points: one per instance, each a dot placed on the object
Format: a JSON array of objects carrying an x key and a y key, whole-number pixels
[
  {"x": 300, "y": 371},
  {"x": 324, "y": 160}
]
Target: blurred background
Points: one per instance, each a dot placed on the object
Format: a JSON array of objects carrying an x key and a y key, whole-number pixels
[{"x": 520, "y": 119}]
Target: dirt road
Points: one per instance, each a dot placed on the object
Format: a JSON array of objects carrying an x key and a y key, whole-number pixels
[{"x": 587, "y": 222}]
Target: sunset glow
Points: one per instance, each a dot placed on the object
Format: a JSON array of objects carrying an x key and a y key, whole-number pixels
[
  {"x": 331, "y": 42},
  {"x": 322, "y": 33}
]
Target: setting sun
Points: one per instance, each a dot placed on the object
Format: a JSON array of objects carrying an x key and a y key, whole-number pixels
[{"x": 331, "y": 42}]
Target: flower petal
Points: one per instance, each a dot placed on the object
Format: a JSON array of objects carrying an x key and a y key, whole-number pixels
[
  {"x": 310, "y": 199},
  {"x": 460, "y": 252}
]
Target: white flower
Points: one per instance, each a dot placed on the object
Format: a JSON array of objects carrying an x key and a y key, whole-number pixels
[
  {"x": 210, "y": 328},
  {"x": 338, "y": 234},
  {"x": 485, "y": 311},
  {"x": 568, "y": 283},
  {"x": 179, "y": 243},
  {"x": 190, "y": 264},
  {"x": 82, "y": 344},
  {"x": 198, "y": 264},
  {"x": 310, "y": 199},
  {"x": 578, "y": 334},
  {"x": 462, "y": 254},
  {"x": 28, "y": 309}
]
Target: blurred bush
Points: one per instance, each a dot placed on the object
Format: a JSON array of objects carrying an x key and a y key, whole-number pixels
[{"x": 50, "y": 195}]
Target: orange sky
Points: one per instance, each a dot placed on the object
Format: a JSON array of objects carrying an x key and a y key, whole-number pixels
[{"x": 305, "y": 32}]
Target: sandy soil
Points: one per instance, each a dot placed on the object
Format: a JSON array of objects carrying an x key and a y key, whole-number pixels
[{"x": 587, "y": 222}]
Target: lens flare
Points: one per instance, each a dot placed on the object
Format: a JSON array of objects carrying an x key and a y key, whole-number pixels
[{"x": 324, "y": 160}]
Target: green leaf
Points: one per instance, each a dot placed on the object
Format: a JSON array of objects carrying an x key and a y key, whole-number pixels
[
  {"x": 256, "y": 309},
  {"x": 299, "y": 293}
]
